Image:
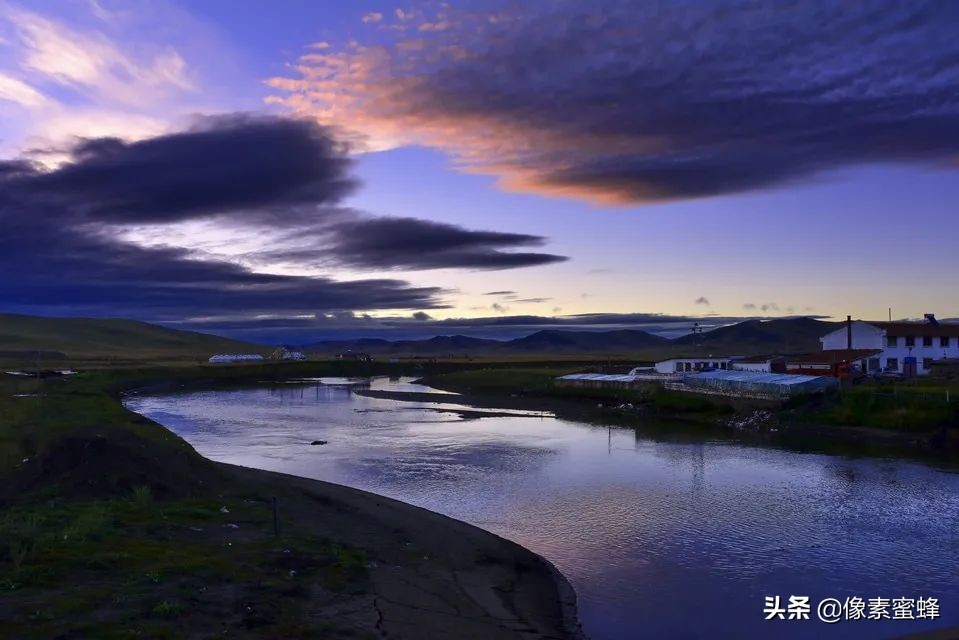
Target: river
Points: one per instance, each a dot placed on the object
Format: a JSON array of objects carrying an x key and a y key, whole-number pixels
[{"x": 660, "y": 538}]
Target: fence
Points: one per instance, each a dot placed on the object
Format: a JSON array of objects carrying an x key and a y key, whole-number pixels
[{"x": 933, "y": 397}]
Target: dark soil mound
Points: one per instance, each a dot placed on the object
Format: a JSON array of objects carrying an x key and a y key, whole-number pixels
[{"x": 107, "y": 463}]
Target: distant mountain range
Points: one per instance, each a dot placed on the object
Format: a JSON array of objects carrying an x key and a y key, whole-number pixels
[
  {"x": 751, "y": 337},
  {"x": 41, "y": 338},
  {"x": 546, "y": 341}
]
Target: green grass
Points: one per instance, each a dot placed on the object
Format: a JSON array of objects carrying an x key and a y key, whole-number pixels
[
  {"x": 167, "y": 609},
  {"x": 142, "y": 498},
  {"x": 911, "y": 406},
  {"x": 164, "y": 571},
  {"x": 112, "y": 525},
  {"x": 107, "y": 339},
  {"x": 689, "y": 403}
]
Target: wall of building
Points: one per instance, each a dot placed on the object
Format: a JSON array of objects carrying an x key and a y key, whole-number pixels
[
  {"x": 864, "y": 336},
  {"x": 758, "y": 367},
  {"x": 691, "y": 364},
  {"x": 894, "y": 351},
  {"x": 919, "y": 351}
]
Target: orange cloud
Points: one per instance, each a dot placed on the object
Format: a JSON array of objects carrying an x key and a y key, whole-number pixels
[{"x": 632, "y": 104}]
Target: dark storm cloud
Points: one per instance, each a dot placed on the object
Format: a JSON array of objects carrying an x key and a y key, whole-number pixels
[
  {"x": 60, "y": 251},
  {"x": 47, "y": 271},
  {"x": 352, "y": 239},
  {"x": 630, "y": 101},
  {"x": 239, "y": 164},
  {"x": 420, "y": 244}
]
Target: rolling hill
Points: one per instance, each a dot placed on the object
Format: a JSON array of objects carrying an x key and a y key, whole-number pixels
[
  {"x": 21, "y": 337},
  {"x": 750, "y": 337},
  {"x": 554, "y": 340},
  {"x": 550, "y": 341}
]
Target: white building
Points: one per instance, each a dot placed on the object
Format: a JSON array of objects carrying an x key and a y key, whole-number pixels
[
  {"x": 906, "y": 347},
  {"x": 700, "y": 363},
  {"x": 760, "y": 364},
  {"x": 235, "y": 357}
]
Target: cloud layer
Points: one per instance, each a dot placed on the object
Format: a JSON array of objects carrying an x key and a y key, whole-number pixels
[
  {"x": 61, "y": 248},
  {"x": 631, "y": 102},
  {"x": 82, "y": 69}
]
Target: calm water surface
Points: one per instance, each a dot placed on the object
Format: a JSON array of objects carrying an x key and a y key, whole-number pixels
[{"x": 660, "y": 539}]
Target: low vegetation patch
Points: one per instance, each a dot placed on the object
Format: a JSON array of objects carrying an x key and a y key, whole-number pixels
[
  {"x": 686, "y": 402},
  {"x": 128, "y": 567},
  {"x": 114, "y": 527},
  {"x": 903, "y": 407}
]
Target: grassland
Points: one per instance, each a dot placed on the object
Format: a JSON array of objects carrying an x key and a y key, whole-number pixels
[
  {"x": 49, "y": 342},
  {"x": 908, "y": 407},
  {"x": 130, "y": 567}
]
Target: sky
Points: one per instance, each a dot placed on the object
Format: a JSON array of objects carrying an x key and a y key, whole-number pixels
[{"x": 288, "y": 171}]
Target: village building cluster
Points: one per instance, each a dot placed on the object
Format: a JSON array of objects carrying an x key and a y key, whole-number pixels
[{"x": 859, "y": 348}]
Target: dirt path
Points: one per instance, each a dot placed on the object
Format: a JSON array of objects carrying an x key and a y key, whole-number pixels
[{"x": 432, "y": 576}]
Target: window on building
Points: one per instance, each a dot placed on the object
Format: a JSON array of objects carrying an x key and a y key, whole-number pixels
[
  {"x": 874, "y": 364},
  {"x": 892, "y": 364},
  {"x": 944, "y": 341},
  {"x": 927, "y": 341},
  {"x": 910, "y": 341},
  {"x": 926, "y": 363},
  {"x": 679, "y": 367},
  {"x": 892, "y": 341}
]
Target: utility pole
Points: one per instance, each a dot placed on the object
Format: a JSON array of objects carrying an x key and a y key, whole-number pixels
[{"x": 698, "y": 332}]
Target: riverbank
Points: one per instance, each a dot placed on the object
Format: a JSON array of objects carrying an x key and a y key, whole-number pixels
[
  {"x": 116, "y": 528},
  {"x": 806, "y": 425}
]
